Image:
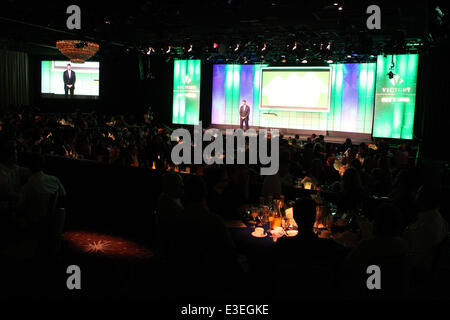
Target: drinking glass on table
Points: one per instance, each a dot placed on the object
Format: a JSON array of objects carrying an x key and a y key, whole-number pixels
[
  {"x": 286, "y": 224},
  {"x": 255, "y": 214},
  {"x": 260, "y": 216}
]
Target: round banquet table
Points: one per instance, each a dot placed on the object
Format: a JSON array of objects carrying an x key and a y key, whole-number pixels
[{"x": 260, "y": 251}]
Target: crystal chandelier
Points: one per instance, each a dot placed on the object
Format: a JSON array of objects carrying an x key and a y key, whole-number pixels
[{"x": 76, "y": 50}]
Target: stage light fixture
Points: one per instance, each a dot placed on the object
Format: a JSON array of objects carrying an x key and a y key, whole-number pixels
[
  {"x": 264, "y": 48},
  {"x": 304, "y": 61},
  {"x": 391, "y": 74},
  {"x": 440, "y": 15}
]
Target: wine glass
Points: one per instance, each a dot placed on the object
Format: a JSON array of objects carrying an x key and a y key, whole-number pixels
[{"x": 286, "y": 224}]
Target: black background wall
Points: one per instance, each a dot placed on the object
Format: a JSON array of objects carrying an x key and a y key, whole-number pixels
[{"x": 432, "y": 118}]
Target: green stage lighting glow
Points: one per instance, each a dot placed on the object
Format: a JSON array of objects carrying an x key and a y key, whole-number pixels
[
  {"x": 186, "y": 92},
  {"x": 395, "y": 96}
]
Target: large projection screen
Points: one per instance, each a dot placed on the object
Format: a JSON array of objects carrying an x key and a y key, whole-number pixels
[
  {"x": 296, "y": 88},
  {"x": 351, "y": 105},
  {"x": 87, "y": 77}
]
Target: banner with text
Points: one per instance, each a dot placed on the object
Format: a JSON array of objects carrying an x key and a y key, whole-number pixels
[
  {"x": 186, "y": 92},
  {"x": 395, "y": 96}
]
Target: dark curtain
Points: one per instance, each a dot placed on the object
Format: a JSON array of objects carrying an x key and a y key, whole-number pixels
[
  {"x": 433, "y": 102},
  {"x": 14, "y": 88}
]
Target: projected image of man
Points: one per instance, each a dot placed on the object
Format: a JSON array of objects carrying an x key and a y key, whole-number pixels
[
  {"x": 69, "y": 78},
  {"x": 244, "y": 112}
]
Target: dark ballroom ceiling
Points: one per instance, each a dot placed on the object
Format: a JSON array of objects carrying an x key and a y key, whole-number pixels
[{"x": 134, "y": 25}]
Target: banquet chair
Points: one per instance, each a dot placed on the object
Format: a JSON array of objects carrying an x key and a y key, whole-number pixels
[
  {"x": 441, "y": 267},
  {"x": 395, "y": 279},
  {"x": 313, "y": 279},
  {"x": 50, "y": 231},
  {"x": 158, "y": 239}
]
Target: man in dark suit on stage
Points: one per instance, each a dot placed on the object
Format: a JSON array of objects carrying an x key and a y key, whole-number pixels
[
  {"x": 244, "y": 112},
  {"x": 69, "y": 81}
]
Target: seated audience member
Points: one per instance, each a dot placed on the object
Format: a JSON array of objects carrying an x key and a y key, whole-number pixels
[
  {"x": 273, "y": 184},
  {"x": 428, "y": 230},
  {"x": 352, "y": 195},
  {"x": 169, "y": 205},
  {"x": 347, "y": 145},
  {"x": 380, "y": 184},
  {"x": 363, "y": 152},
  {"x": 404, "y": 193},
  {"x": 217, "y": 181},
  {"x": 314, "y": 176},
  {"x": 385, "y": 248},
  {"x": 401, "y": 157},
  {"x": 204, "y": 242},
  {"x": 318, "y": 150},
  {"x": 237, "y": 191},
  {"x": 12, "y": 176},
  {"x": 356, "y": 163},
  {"x": 330, "y": 174},
  {"x": 306, "y": 247},
  {"x": 36, "y": 194}
]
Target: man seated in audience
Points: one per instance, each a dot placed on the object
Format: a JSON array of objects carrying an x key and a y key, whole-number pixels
[
  {"x": 346, "y": 145},
  {"x": 273, "y": 185},
  {"x": 202, "y": 251},
  {"x": 403, "y": 194},
  {"x": 12, "y": 176},
  {"x": 385, "y": 248},
  {"x": 330, "y": 174},
  {"x": 169, "y": 204},
  {"x": 237, "y": 192},
  {"x": 217, "y": 181},
  {"x": 352, "y": 195},
  {"x": 306, "y": 247},
  {"x": 36, "y": 194},
  {"x": 428, "y": 230}
]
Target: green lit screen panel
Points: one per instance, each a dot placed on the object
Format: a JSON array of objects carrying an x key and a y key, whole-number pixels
[
  {"x": 351, "y": 101},
  {"x": 87, "y": 78},
  {"x": 352, "y": 98},
  {"x": 186, "y": 92},
  {"x": 395, "y": 99},
  {"x": 296, "y": 89}
]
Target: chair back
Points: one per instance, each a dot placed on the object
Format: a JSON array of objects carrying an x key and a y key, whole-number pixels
[
  {"x": 395, "y": 277},
  {"x": 305, "y": 280},
  {"x": 52, "y": 227},
  {"x": 441, "y": 253},
  {"x": 440, "y": 265},
  {"x": 156, "y": 228}
]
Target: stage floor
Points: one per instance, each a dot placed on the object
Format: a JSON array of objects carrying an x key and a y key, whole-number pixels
[{"x": 330, "y": 136}]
